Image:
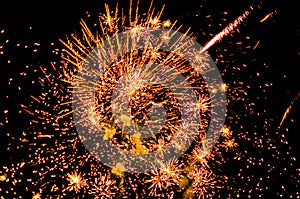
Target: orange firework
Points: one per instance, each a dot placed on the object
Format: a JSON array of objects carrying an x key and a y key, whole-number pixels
[{"x": 76, "y": 181}]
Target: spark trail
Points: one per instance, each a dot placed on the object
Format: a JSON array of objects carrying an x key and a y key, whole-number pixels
[
  {"x": 226, "y": 31},
  {"x": 288, "y": 110}
]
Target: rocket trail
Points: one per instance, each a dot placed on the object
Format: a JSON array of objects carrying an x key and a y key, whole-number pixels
[{"x": 226, "y": 31}]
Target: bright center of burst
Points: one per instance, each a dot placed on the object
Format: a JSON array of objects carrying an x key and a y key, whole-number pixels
[
  {"x": 138, "y": 103},
  {"x": 148, "y": 123}
]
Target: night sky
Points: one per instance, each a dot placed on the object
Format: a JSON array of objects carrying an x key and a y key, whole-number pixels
[{"x": 29, "y": 38}]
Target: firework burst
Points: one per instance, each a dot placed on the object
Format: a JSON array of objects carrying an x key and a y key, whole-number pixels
[
  {"x": 102, "y": 85},
  {"x": 76, "y": 182}
]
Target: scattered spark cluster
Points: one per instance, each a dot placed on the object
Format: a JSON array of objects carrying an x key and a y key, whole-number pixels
[{"x": 243, "y": 164}]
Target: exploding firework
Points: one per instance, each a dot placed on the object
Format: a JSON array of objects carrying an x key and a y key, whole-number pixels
[
  {"x": 76, "y": 182},
  {"x": 102, "y": 85},
  {"x": 122, "y": 79}
]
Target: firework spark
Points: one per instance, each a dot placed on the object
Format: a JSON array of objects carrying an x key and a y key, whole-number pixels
[
  {"x": 288, "y": 110},
  {"x": 268, "y": 16}
]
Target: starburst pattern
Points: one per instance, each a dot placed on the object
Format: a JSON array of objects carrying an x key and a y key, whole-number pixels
[{"x": 248, "y": 159}]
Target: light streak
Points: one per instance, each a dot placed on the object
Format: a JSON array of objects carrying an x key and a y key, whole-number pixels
[
  {"x": 226, "y": 31},
  {"x": 268, "y": 16},
  {"x": 288, "y": 110}
]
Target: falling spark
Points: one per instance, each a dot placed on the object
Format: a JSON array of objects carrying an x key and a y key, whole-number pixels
[
  {"x": 288, "y": 110},
  {"x": 256, "y": 45},
  {"x": 268, "y": 16}
]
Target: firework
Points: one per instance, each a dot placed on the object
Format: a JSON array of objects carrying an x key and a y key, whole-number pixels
[
  {"x": 203, "y": 179},
  {"x": 76, "y": 181},
  {"x": 130, "y": 87},
  {"x": 101, "y": 84},
  {"x": 162, "y": 181},
  {"x": 125, "y": 82},
  {"x": 103, "y": 186}
]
